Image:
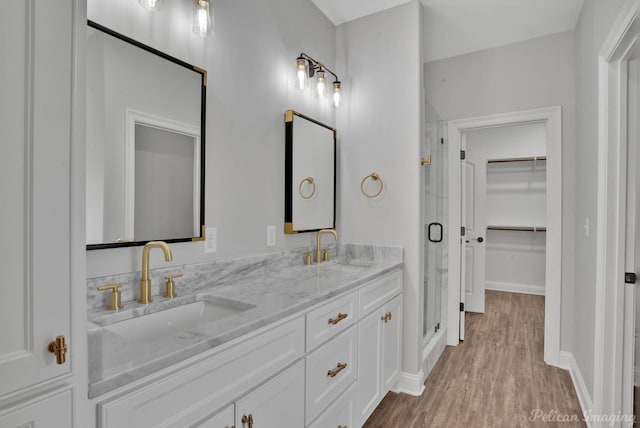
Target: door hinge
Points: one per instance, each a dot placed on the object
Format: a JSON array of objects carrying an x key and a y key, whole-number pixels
[
  {"x": 441, "y": 140},
  {"x": 463, "y": 231},
  {"x": 463, "y": 155},
  {"x": 437, "y": 327},
  {"x": 629, "y": 278},
  {"x": 461, "y": 307}
]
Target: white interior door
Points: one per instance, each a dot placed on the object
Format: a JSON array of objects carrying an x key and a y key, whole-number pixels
[
  {"x": 632, "y": 252},
  {"x": 475, "y": 228}
]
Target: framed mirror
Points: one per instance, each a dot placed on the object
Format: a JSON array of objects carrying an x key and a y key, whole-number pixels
[
  {"x": 145, "y": 143},
  {"x": 310, "y": 174}
]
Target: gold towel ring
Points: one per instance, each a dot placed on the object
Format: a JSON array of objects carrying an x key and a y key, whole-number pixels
[
  {"x": 311, "y": 182},
  {"x": 375, "y": 177}
]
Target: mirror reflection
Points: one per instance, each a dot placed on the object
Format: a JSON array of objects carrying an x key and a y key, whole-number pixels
[
  {"x": 310, "y": 174},
  {"x": 145, "y": 143}
]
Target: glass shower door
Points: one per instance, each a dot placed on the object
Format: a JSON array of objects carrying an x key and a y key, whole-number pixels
[{"x": 435, "y": 227}]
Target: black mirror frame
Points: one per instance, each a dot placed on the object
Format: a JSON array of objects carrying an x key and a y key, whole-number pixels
[
  {"x": 203, "y": 116},
  {"x": 288, "y": 182}
]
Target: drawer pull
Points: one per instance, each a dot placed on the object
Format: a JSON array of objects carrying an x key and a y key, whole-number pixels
[
  {"x": 247, "y": 420},
  {"x": 336, "y": 320},
  {"x": 340, "y": 426},
  {"x": 338, "y": 369}
]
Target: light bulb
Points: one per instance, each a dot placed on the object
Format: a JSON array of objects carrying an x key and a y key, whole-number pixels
[
  {"x": 337, "y": 93},
  {"x": 321, "y": 85},
  {"x": 151, "y": 5},
  {"x": 202, "y": 18},
  {"x": 301, "y": 66}
]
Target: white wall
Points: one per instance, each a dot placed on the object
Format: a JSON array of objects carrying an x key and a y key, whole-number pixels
[
  {"x": 520, "y": 76},
  {"x": 379, "y": 130},
  {"x": 593, "y": 26},
  {"x": 515, "y": 196},
  {"x": 250, "y": 62}
]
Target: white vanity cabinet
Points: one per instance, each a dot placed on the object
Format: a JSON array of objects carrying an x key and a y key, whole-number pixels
[
  {"x": 38, "y": 239},
  {"x": 223, "y": 419},
  {"x": 277, "y": 403},
  {"x": 379, "y": 342}
]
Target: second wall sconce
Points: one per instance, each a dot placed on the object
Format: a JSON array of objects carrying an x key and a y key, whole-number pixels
[
  {"x": 202, "y": 14},
  {"x": 307, "y": 67}
]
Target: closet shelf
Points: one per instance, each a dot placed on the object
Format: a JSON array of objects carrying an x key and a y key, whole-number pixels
[
  {"x": 519, "y": 228},
  {"x": 524, "y": 159}
]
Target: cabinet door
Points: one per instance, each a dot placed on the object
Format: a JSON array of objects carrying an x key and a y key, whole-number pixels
[
  {"x": 277, "y": 403},
  {"x": 51, "y": 410},
  {"x": 222, "y": 419},
  {"x": 369, "y": 363},
  {"x": 391, "y": 343},
  {"x": 35, "y": 156}
]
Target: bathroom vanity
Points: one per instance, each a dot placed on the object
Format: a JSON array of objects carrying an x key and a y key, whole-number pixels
[{"x": 311, "y": 346}]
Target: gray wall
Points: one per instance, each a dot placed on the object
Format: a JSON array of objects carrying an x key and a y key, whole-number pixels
[
  {"x": 250, "y": 62},
  {"x": 593, "y": 26},
  {"x": 521, "y": 76}
]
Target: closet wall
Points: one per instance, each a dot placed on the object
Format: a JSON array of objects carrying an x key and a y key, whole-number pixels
[{"x": 515, "y": 199}]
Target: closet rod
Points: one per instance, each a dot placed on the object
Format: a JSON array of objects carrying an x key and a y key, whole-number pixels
[
  {"x": 519, "y": 228},
  {"x": 526, "y": 159}
]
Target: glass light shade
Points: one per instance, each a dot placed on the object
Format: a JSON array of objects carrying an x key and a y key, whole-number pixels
[
  {"x": 301, "y": 73},
  {"x": 202, "y": 18},
  {"x": 152, "y": 5},
  {"x": 337, "y": 93},
  {"x": 321, "y": 86}
]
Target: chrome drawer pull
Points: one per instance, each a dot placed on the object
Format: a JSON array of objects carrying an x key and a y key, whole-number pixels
[
  {"x": 338, "y": 369},
  {"x": 336, "y": 320}
]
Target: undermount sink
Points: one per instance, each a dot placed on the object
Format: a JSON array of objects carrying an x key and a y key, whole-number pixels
[
  {"x": 182, "y": 318},
  {"x": 346, "y": 266}
]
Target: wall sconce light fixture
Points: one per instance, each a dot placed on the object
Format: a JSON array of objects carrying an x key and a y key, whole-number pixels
[
  {"x": 152, "y": 5},
  {"x": 202, "y": 14},
  {"x": 307, "y": 67},
  {"x": 202, "y": 18}
]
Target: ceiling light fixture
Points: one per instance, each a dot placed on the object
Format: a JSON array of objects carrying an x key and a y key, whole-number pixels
[{"x": 307, "y": 67}]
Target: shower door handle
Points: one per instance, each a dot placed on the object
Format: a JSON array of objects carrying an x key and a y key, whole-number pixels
[{"x": 429, "y": 232}]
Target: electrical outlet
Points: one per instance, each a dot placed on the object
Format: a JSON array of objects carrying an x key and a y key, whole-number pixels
[
  {"x": 271, "y": 235},
  {"x": 211, "y": 240}
]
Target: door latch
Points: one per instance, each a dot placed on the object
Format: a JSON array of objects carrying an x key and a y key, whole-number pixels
[{"x": 629, "y": 278}]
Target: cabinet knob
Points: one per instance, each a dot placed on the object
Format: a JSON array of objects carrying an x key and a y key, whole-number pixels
[
  {"x": 58, "y": 347},
  {"x": 247, "y": 420}
]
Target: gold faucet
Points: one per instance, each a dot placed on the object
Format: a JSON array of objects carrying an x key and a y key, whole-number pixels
[
  {"x": 320, "y": 232},
  {"x": 145, "y": 282}
]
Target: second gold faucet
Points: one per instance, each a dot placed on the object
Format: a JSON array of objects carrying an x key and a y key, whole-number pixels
[
  {"x": 145, "y": 281},
  {"x": 320, "y": 232}
]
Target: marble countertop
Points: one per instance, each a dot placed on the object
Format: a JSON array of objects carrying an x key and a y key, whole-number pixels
[{"x": 268, "y": 295}]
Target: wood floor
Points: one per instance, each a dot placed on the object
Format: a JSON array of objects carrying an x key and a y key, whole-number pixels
[{"x": 495, "y": 378}]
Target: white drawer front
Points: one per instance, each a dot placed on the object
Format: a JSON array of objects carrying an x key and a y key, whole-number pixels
[
  {"x": 380, "y": 291},
  {"x": 186, "y": 397},
  {"x": 337, "y": 356},
  {"x": 341, "y": 413},
  {"x": 330, "y": 319}
]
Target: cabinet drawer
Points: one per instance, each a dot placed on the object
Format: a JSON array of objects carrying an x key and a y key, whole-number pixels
[
  {"x": 330, "y": 319},
  {"x": 183, "y": 398},
  {"x": 330, "y": 369},
  {"x": 380, "y": 291},
  {"x": 342, "y": 413}
]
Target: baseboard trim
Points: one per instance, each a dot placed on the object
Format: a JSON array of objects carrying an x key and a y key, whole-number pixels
[
  {"x": 568, "y": 362},
  {"x": 412, "y": 384},
  {"x": 515, "y": 288}
]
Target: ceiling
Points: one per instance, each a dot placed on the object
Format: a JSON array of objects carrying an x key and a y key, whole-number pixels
[{"x": 456, "y": 27}]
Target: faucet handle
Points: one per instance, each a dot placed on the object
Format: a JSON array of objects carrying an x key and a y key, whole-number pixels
[
  {"x": 325, "y": 255},
  {"x": 115, "y": 301},
  {"x": 171, "y": 285}
]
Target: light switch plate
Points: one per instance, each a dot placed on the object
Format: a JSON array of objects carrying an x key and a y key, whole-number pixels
[
  {"x": 211, "y": 240},
  {"x": 271, "y": 235}
]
